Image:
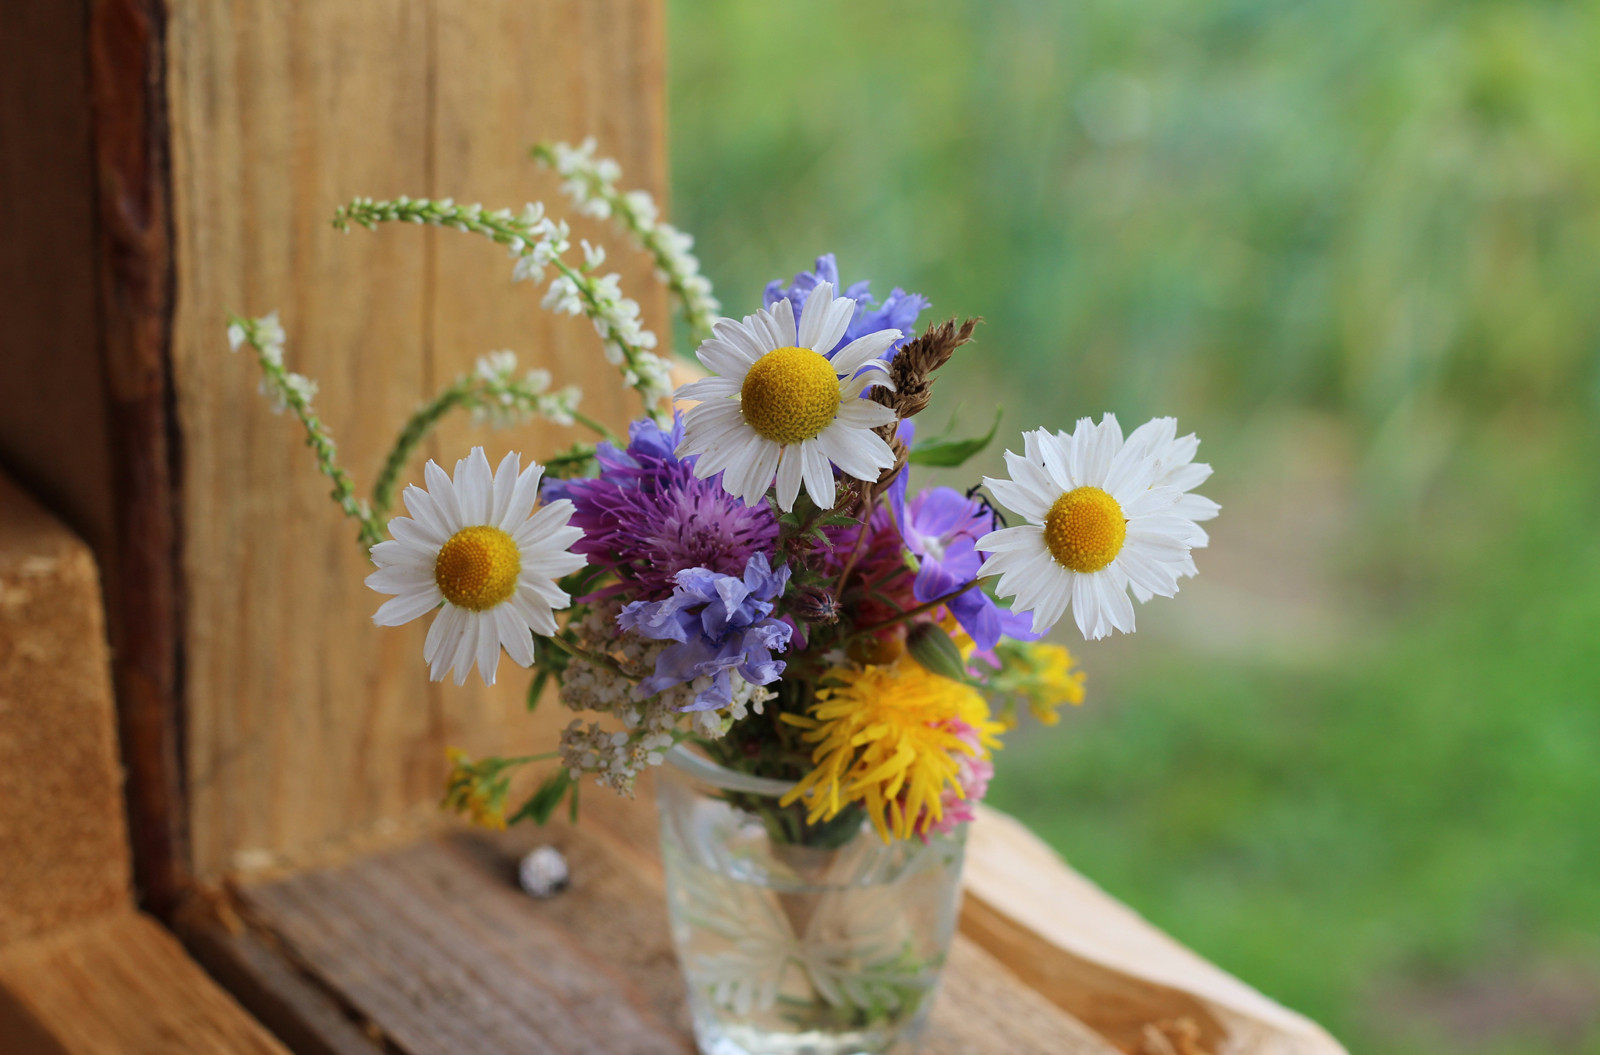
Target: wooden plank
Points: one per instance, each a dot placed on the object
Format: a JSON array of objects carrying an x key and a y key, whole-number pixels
[
  {"x": 509, "y": 74},
  {"x": 308, "y": 730},
  {"x": 63, "y": 846},
  {"x": 1097, "y": 958},
  {"x": 435, "y": 946},
  {"x": 259, "y": 973},
  {"x": 53, "y": 431},
  {"x": 118, "y": 986}
]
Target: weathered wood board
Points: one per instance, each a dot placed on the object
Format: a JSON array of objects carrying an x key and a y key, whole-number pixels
[
  {"x": 434, "y": 951},
  {"x": 306, "y": 727},
  {"x": 81, "y": 973},
  {"x": 119, "y": 985},
  {"x": 63, "y": 844}
]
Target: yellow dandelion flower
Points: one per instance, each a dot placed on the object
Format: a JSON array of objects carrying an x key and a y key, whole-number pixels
[{"x": 887, "y": 737}]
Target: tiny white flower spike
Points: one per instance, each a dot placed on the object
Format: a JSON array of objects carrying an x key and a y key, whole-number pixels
[
  {"x": 779, "y": 406},
  {"x": 475, "y": 547},
  {"x": 1098, "y": 523},
  {"x": 1159, "y": 438}
]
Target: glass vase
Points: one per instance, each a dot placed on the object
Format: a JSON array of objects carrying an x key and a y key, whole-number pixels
[{"x": 800, "y": 942}]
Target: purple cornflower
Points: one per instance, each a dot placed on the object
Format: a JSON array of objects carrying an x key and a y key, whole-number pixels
[
  {"x": 647, "y": 518},
  {"x": 720, "y": 623},
  {"x": 898, "y": 311},
  {"x": 942, "y": 526}
]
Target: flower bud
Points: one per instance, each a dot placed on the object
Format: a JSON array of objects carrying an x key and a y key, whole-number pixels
[
  {"x": 815, "y": 604},
  {"x": 931, "y": 646}
]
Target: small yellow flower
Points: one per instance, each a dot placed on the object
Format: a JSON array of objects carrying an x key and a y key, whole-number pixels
[
  {"x": 1051, "y": 680},
  {"x": 476, "y": 789},
  {"x": 887, "y": 738}
]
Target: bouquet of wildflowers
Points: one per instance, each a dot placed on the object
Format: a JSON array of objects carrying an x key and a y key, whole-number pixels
[{"x": 750, "y": 572}]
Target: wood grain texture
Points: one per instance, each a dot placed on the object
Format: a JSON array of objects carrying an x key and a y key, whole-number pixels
[
  {"x": 63, "y": 844},
  {"x": 435, "y": 948},
  {"x": 120, "y": 985},
  {"x": 307, "y": 728},
  {"x": 1097, "y": 958}
]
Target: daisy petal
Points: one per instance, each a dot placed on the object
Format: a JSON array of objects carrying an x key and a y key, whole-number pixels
[
  {"x": 515, "y": 636},
  {"x": 724, "y": 357},
  {"x": 504, "y": 486},
  {"x": 449, "y": 627},
  {"x": 708, "y": 388},
  {"x": 474, "y": 487},
  {"x": 524, "y": 494},
  {"x": 817, "y": 474},
  {"x": 789, "y": 475},
  {"x": 443, "y": 493},
  {"x": 407, "y": 606},
  {"x": 863, "y": 350}
]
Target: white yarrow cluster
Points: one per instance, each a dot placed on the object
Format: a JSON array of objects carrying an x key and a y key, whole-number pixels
[
  {"x": 506, "y": 399},
  {"x": 591, "y": 183},
  {"x": 616, "y": 757}
]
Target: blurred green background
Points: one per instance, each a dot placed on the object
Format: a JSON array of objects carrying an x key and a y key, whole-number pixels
[{"x": 1355, "y": 244}]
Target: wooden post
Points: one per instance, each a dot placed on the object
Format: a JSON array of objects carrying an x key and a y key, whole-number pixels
[{"x": 194, "y": 171}]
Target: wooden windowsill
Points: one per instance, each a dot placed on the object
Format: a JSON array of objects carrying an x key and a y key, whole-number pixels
[{"x": 431, "y": 949}]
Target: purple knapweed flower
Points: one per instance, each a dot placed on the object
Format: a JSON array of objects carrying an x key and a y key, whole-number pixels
[
  {"x": 719, "y": 624},
  {"x": 942, "y": 527},
  {"x": 898, "y": 311},
  {"x": 647, "y": 518}
]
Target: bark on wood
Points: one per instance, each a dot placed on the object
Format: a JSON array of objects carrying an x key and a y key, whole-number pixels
[{"x": 135, "y": 271}]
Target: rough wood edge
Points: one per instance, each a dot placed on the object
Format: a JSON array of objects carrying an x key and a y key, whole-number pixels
[
  {"x": 126, "y": 48},
  {"x": 119, "y": 982},
  {"x": 247, "y": 959},
  {"x": 1098, "y": 959}
]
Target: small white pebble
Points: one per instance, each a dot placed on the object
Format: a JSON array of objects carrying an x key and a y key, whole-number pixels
[{"x": 543, "y": 873}]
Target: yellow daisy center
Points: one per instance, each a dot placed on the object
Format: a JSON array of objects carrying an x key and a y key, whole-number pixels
[
  {"x": 790, "y": 395},
  {"x": 478, "y": 567},
  {"x": 1085, "y": 529}
]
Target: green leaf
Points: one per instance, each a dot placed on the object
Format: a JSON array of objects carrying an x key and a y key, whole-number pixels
[
  {"x": 947, "y": 454},
  {"x": 931, "y": 646},
  {"x": 541, "y": 678},
  {"x": 542, "y": 803}
]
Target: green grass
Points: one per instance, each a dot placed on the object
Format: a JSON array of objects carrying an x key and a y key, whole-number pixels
[
  {"x": 1376, "y": 839},
  {"x": 1383, "y": 214}
]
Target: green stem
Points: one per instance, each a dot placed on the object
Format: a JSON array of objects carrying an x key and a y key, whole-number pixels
[
  {"x": 463, "y": 393},
  {"x": 596, "y": 658},
  {"x": 415, "y": 431},
  {"x": 598, "y": 427},
  {"x": 912, "y": 613},
  {"x": 318, "y": 438}
]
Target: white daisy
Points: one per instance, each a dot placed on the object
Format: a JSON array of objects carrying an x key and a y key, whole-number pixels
[
  {"x": 471, "y": 546},
  {"x": 1096, "y": 525},
  {"x": 1159, "y": 438},
  {"x": 779, "y": 406}
]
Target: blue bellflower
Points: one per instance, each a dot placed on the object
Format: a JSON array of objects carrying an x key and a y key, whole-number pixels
[
  {"x": 898, "y": 311},
  {"x": 719, "y": 623}
]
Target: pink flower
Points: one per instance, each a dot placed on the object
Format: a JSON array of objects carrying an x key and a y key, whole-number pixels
[{"x": 973, "y": 773}]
